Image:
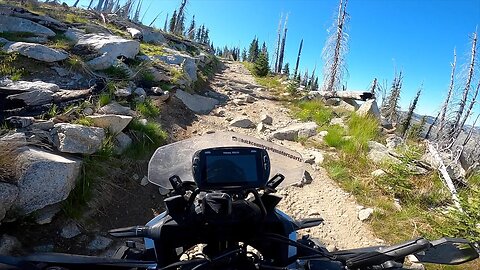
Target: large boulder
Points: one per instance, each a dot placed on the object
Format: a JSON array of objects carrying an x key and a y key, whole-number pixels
[
  {"x": 20, "y": 25},
  {"x": 114, "y": 123},
  {"x": 34, "y": 98},
  {"x": 369, "y": 107},
  {"x": 379, "y": 153},
  {"x": 108, "y": 47},
  {"x": 115, "y": 108},
  {"x": 187, "y": 62},
  {"x": 8, "y": 194},
  {"x": 198, "y": 104},
  {"x": 35, "y": 51},
  {"x": 152, "y": 36},
  {"x": 44, "y": 179},
  {"x": 29, "y": 86},
  {"x": 78, "y": 139},
  {"x": 294, "y": 131}
]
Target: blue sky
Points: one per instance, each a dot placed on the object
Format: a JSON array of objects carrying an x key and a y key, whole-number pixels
[{"x": 417, "y": 37}]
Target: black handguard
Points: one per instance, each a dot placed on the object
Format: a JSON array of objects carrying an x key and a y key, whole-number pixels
[
  {"x": 391, "y": 253},
  {"x": 134, "y": 231}
]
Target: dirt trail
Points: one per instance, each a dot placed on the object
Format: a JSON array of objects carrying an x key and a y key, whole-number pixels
[{"x": 322, "y": 197}]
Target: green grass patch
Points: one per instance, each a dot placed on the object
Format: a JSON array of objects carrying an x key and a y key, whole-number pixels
[
  {"x": 84, "y": 121},
  {"x": 60, "y": 41},
  {"x": 146, "y": 136},
  {"x": 335, "y": 135},
  {"x": 147, "y": 109},
  {"x": 104, "y": 99},
  {"x": 118, "y": 72},
  {"x": 8, "y": 67},
  {"x": 74, "y": 18},
  {"x": 312, "y": 110},
  {"x": 151, "y": 49}
]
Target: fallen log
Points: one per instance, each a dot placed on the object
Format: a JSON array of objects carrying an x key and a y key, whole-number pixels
[
  {"x": 355, "y": 95},
  {"x": 444, "y": 175}
]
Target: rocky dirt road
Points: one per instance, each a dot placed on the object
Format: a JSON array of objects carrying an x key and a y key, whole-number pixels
[{"x": 322, "y": 197}]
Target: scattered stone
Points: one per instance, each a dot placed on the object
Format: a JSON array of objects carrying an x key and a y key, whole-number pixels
[
  {"x": 261, "y": 127},
  {"x": 317, "y": 157},
  {"x": 29, "y": 86},
  {"x": 313, "y": 212},
  {"x": 78, "y": 139},
  {"x": 242, "y": 122},
  {"x": 115, "y": 108},
  {"x": 220, "y": 112},
  {"x": 46, "y": 214},
  {"x": 379, "y": 153},
  {"x": 135, "y": 33},
  {"x": 35, "y": 51},
  {"x": 378, "y": 173},
  {"x": 19, "y": 25},
  {"x": 396, "y": 203},
  {"x": 198, "y": 104},
  {"x": 34, "y": 98},
  {"x": 144, "y": 181},
  {"x": 266, "y": 119},
  {"x": 296, "y": 130},
  {"x": 187, "y": 62},
  {"x": 70, "y": 230},
  {"x": 323, "y": 133},
  {"x": 139, "y": 91},
  {"x": 122, "y": 142},
  {"x": 238, "y": 102},
  {"x": 45, "y": 179},
  {"x": 99, "y": 243},
  {"x": 369, "y": 107},
  {"x": 247, "y": 98},
  {"x": 109, "y": 47},
  {"x": 307, "y": 178},
  {"x": 123, "y": 92},
  {"x": 20, "y": 121},
  {"x": 338, "y": 121},
  {"x": 8, "y": 194},
  {"x": 394, "y": 141},
  {"x": 114, "y": 123},
  {"x": 365, "y": 214},
  {"x": 88, "y": 111}
]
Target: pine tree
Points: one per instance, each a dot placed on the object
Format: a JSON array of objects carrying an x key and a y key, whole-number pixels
[
  {"x": 264, "y": 49},
  {"x": 199, "y": 33},
  {"x": 305, "y": 78},
  {"x": 253, "y": 51},
  {"x": 286, "y": 69},
  {"x": 261, "y": 65},
  {"x": 406, "y": 122},
  {"x": 191, "y": 29},
  {"x": 244, "y": 55},
  {"x": 171, "y": 26},
  {"x": 205, "y": 37}
]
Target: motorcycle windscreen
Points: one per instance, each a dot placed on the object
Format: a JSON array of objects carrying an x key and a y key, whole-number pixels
[{"x": 176, "y": 158}]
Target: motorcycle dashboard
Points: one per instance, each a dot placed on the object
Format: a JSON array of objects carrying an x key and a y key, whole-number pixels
[{"x": 231, "y": 168}]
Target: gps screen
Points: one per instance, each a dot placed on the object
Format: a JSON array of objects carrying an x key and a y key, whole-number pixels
[{"x": 231, "y": 169}]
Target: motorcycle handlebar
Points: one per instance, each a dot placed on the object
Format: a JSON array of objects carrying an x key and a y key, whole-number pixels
[{"x": 134, "y": 231}]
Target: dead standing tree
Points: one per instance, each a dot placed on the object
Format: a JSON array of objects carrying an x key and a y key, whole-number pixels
[
  {"x": 279, "y": 40},
  {"x": 335, "y": 50},
  {"x": 281, "y": 52},
  {"x": 298, "y": 59}
]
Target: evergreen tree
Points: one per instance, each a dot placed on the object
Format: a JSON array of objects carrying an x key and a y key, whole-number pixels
[
  {"x": 171, "y": 26},
  {"x": 264, "y": 49},
  {"x": 199, "y": 34},
  {"x": 191, "y": 29},
  {"x": 286, "y": 69},
  {"x": 261, "y": 65},
  {"x": 253, "y": 51},
  {"x": 244, "y": 55},
  {"x": 411, "y": 110},
  {"x": 315, "y": 84},
  {"x": 305, "y": 79},
  {"x": 205, "y": 37}
]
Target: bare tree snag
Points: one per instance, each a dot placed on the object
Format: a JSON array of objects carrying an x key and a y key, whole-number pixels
[
  {"x": 444, "y": 173},
  {"x": 298, "y": 59},
  {"x": 443, "y": 112}
]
